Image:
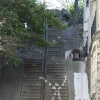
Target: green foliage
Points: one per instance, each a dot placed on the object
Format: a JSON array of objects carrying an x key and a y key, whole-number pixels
[
  {"x": 70, "y": 9},
  {"x": 14, "y": 14}
]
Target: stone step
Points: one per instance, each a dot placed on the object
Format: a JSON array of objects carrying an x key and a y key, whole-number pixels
[
  {"x": 57, "y": 46},
  {"x": 55, "y": 77},
  {"x": 30, "y": 79},
  {"x": 61, "y": 94},
  {"x": 56, "y": 71},
  {"x": 37, "y": 69},
  {"x": 57, "y": 67},
  {"x": 64, "y": 98},
  {"x": 30, "y": 98},
  {"x": 30, "y": 95},
  {"x": 31, "y": 83},
  {"x": 57, "y": 98},
  {"x": 50, "y": 96},
  {"x": 50, "y": 75},
  {"x": 60, "y": 60},
  {"x": 33, "y": 66},
  {"x": 56, "y": 64},
  {"x": 33, "y": 60},
  {"x": 31, "y": 74},
  {"x": 50, "y": 88},
  {"x": 61, "y": 90},
  {"x": 56, "y": 53},
  {"x": 31, "y": 89},
  {"x": 32, "y": 71},
  {"x": 55, "y": 50},
  {"x": 29, "y": 92},
  {"x": 54, "y": 80},
  {"x": 27, "y": 85},
  {"x": 55, "y": 57}
]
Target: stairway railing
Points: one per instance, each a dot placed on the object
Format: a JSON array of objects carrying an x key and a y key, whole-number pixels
[{"x": 44, "y": 68}]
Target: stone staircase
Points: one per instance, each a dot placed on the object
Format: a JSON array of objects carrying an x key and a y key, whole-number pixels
[
  {"x": 31, "y": 85},
  {"x": 56, "y": 88}
]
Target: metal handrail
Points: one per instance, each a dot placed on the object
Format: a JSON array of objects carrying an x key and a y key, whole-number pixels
[
  {"x": 41, "y": 93},
  {"x": 44, "y": 68}
]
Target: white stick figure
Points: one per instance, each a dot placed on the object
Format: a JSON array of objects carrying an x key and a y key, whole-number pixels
[{"x": 56, "y": 87}]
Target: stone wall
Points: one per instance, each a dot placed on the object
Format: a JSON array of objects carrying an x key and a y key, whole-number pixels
[
  {"x": 93, "y": 96},
  {"x": 88, "y": 70},
  {"x": 94, "y": 49}
]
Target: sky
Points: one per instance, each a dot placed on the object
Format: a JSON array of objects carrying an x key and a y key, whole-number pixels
[{"x": 54, "y": 3}]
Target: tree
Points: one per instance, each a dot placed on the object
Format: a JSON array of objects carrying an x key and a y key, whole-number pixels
[
  {"x": 75, "y": 9},
  {"x": 70, "y": 9},
  {"x": 22, "y": 25}
]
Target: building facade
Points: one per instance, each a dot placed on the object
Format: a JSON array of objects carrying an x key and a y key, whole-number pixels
[{"x": 91, "y": 35}]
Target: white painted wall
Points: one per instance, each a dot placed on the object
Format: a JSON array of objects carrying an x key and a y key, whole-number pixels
[
  {"x": 81, "y": 86},
  {"x": 89, "y": 13}
]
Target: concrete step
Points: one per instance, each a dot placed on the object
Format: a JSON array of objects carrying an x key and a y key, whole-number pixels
[
  {"x": 31, "y": 84},
  {"x": 33, "y": 60},
  {"x": 56, "y": 54},
  {"x": 56, "y": 71},
  {"x": 30, "y": 98},
  {"x": 31, "y": 74},
  {"x": 31, "y": 90},
  {"x": 56, "y": 64},
  {"x": 28, "y": 86},
  {"x": 56, "y": 57},
  {"x": 32, "y": 71},
  {"x": 56, "y": 97},
  {"x": 57, "y": 67},
  {"x": 30, "y": 95},
  {"x": 56, "y": 60}
]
